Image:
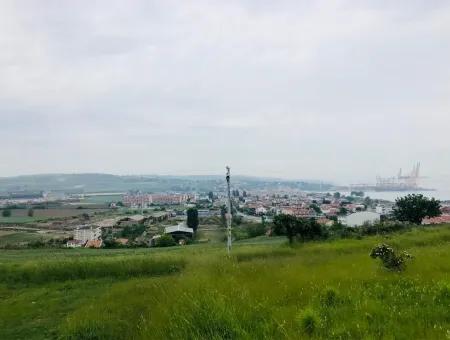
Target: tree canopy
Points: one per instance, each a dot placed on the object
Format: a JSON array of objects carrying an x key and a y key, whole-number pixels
[
  {"x": 295, "y": 227},
  {"x": 192, "y": 218},
  {"x": 414, "y": 208}
]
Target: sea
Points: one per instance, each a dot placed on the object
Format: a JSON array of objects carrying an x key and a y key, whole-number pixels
[{"x": 440, "y": 194}]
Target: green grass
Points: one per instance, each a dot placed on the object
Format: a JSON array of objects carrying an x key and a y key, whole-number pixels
[
  {"x": 21, "y": 237},
  {"x": 266, "y": 290}
]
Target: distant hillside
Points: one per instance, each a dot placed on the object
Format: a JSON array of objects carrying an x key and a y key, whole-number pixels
[{"x": 84, "y": 183}]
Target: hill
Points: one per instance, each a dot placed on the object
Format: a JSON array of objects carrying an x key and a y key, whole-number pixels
[
  {"x": 85, "y": 183},
  {"x": 265, "y": 290}
]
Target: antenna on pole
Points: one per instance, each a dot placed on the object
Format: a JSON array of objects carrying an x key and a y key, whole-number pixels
[{"x": 228, "y": 211}]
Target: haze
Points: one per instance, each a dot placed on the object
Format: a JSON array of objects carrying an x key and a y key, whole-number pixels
[{"x": 332, "y": 90}]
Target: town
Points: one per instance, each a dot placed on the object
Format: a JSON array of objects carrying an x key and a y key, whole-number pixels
[{"x": 139, "y": 219}]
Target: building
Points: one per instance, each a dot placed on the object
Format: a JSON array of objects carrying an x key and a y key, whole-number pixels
[
  {"x": 203, "y": 213},
  {"x": 436, "y": 220},
  {"x": 144, "y": 200},
  {"x": 360, "y": 218},
  {"x": 86, "y": 233},
  {"x": 179, "y": 231},
  {"x": 94, "y": 244},
  {"x": 75, "y": 244}
]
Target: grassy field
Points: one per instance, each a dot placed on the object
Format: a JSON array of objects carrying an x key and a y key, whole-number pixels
[
  {"x": 266, "y": 290},
  {"x": 17, "y": 238},
  {"x": 19, "y": 216}
]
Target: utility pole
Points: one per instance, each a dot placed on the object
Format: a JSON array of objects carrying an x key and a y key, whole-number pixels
[{"x": 228, "y": 212}]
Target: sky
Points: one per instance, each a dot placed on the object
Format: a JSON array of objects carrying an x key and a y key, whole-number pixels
[{"x": 332, "y": 90}]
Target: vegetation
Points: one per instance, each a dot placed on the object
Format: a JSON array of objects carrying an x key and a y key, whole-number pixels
[
  {"x": 297, "y": 228},
  {"x": 165, "y": 240},
  {"x": 390, "y": 258},
  {"x": 415, "y": 207},
  {"x": 326, "y": 289},
  {"x": 192, "y": 218},
  {"x": 6, "y": 212},
  {"x": 30, "y": 212}
]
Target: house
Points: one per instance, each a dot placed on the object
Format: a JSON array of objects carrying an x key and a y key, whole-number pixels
[
  {"x": 122, "y": 241},
  {"x": 436, "y": 220},
  {"x": 325, "y": 221},
  {"x": 260, "y": 210},
  {"x": 360, "y": 218},
  {"x": 94, "y": 244},
  {"x": 106, "y": 223},
  {"x": 132, "y": 220}
]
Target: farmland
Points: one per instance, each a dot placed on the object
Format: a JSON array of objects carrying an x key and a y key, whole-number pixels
[
  {"x": 328, "y": 289},
  {"x": 19, "y": 216}
]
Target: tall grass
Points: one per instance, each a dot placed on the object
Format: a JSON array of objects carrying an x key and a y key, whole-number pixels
[
  {"x": 38, "y": 272},
  {"x": 323, "y": 290}
]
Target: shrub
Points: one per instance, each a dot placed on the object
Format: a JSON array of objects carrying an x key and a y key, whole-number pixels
[
  {"x": 389, "y": 257},
  {"x": 308, "y": 321},
  {"x": 255, "y": 230},
  {"x": 329, "y": 297},
  {"x": 6, "y": 213},
  {"x": 165, "y": 240}
]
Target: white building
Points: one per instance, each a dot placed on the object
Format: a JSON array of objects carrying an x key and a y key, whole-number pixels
[
  {"x": 260, "y": 211},
  {"x": 382, "y": 209},
  {"x": 360, "y": 218},
  {"x": 87, "y": 234}
]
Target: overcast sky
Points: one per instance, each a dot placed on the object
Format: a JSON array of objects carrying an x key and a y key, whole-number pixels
[{"x": 334, "y": 90}]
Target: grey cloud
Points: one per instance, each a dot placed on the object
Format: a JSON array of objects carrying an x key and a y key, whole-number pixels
[{"x": 306, "y": 89}]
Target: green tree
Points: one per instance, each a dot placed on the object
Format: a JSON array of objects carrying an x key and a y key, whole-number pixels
[
  {"x": 211, "y": 196},
  {"x": 6, "y": 213},
  {"x": 414, "y": 208},
  {"x": 285, "y": 225},
  {"x": 316, "y": 208},
  {"x": 192, "y": 218},
  {"x": 30, "y": 212},
  {"x": 343, "y": 211},
  {"x": 295, "y": 227},
  {"x": 337, "y": 195}
]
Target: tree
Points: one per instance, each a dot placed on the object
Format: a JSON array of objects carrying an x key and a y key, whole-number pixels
[
  {"x": 223, "y": 215},
  {"x": 6, "y": 213},
  {"x": 414, "y": 208},
  {"x": 343, "y": 211},
  {"x": 192, "y": 218},
  {"x": 285, "y": 225},
  {"x": 211, "y": 196},
  {"x": 316, "y": 208},
  {"x": 337, "y": 195},
  {"x": 30, "y": 212},
  {"x": 295, "y": 227}
]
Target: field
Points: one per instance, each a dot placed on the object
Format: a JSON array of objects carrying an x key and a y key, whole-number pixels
[
  {"x": 19, "y": 216},
  {"x": 265, "y": 290}
]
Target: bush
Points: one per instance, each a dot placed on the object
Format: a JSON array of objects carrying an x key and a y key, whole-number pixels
[
  {"x": 6, "y": 213},
  {"x": 255, "y": 230},
  {"x": 308, "y": 321},
  {"x": 329, "y": 297},
  {"x": 389, "y": 257},
  {"x": 165, "y": 240}
]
